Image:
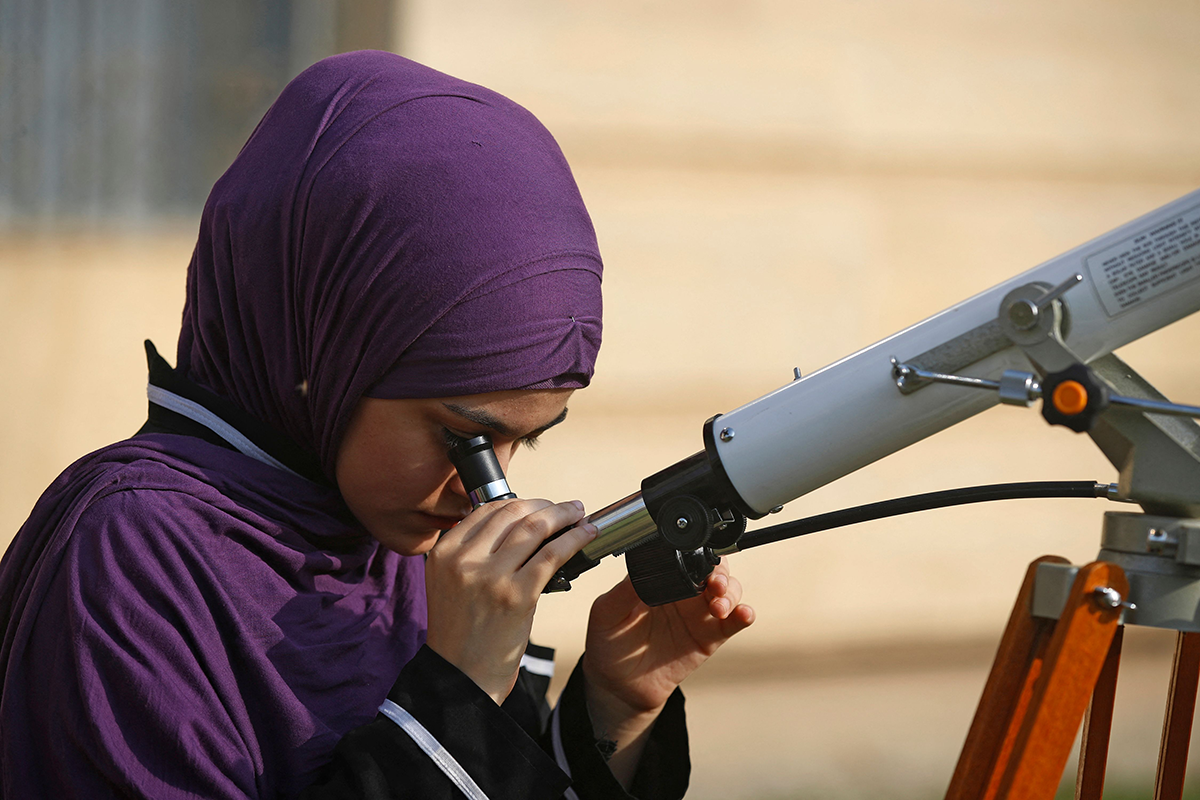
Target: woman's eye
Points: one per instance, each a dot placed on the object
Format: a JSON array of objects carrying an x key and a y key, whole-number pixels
[{"x": 452, "y": 439}]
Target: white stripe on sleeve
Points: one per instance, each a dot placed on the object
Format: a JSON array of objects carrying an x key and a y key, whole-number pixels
[
  {"x": 433, "y": 748},
  {"x": 538, "y": 666}
]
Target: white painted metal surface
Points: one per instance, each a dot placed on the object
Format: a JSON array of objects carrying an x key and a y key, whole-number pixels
[{"x": 1137, "y": 279}]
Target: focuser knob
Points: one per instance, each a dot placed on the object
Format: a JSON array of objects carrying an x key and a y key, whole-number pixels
[{"x": 685, "y": 522}]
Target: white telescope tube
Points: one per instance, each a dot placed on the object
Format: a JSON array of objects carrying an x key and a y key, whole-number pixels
[{"x": 1136, "y": 279}]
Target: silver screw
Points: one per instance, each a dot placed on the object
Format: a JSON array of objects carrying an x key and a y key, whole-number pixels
[
  {"x": 726, "y": 434},
  {"x": 1160, "y": 542},
  {"x": 1108, "y": 597},
  {"x": 681, "y": 523},
  {"x": 901, "y": 373},
  {"x": 1023, "y": 314}
]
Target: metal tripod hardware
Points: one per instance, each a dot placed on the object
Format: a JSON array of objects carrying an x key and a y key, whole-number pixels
[
  {"x": 1015, "y": 387},
  {"x": 1058, "y": 659},
  {"x": 1027, "y": 315},
  {"x": 1019, "y": 388}
]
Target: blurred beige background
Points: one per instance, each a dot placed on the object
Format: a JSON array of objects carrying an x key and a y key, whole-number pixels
[{"x": 774, "y": 184}]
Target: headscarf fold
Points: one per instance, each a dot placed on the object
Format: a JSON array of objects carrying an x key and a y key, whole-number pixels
[{"x": 393, "y": 231}]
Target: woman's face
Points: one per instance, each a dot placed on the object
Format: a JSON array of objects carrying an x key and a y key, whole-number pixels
[{"x": 393, "y": 465}]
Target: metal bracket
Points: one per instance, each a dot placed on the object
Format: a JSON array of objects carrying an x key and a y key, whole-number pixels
[{"x": 1031, "y": 316}]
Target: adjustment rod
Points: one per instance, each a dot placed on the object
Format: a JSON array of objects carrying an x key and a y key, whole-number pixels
[{"x": 1076, "y": 395}]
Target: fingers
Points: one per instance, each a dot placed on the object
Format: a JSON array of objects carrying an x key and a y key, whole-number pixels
[
  {"x": 502, "y": 539},
  {"x": 523, "y": 525},
  {"x": 484, "y": 579},
  {"x": 739, "y": 619},
  {"x": 722, "y": 591},
  {"x": 513, "y": 524},
  {"x": 541, "y": 567},
  {"x": 480, "y": 525}
]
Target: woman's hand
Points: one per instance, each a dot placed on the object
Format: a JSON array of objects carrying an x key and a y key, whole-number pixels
[
  {"x": 636, "y": 656},
  {"x": 482, "y": 583}
]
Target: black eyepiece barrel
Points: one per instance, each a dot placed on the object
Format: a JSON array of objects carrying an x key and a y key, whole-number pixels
[{"x": 479, "y": 469}]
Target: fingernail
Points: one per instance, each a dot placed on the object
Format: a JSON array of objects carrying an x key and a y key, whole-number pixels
[
  {"x": 592, "y": 530},
  {"x": 578, "y": 504}
]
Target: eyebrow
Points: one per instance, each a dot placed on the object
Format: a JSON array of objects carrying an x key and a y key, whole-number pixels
[{"x": 488, "y": 421}]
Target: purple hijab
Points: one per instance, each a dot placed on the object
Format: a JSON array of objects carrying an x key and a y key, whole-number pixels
[
  {"x": 394, "y": 231},
  {"x": 181, "y": 620}
]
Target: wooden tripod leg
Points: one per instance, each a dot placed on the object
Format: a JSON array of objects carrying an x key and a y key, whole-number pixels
[
  {"x": 1071, "y": 669},
  {"x": 1005, "y": 695},
  {"x": 1177, "y": 723},
  {"x": 1093, "y": 751}
]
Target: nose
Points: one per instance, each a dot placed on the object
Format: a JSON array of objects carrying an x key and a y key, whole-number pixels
[
  {"x": 455, "y": 484},
  {"x": 504, "y": 456}
]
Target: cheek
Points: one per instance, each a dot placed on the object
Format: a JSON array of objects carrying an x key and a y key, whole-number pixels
[
  {"x": 383, "y": 484},
  {"x": 379, "y": 475}
]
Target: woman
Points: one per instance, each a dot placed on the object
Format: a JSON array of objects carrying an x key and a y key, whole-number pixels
[{"x": 236, "y": 601}]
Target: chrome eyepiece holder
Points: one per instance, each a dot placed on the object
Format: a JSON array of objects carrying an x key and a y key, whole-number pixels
[{"x": 667, "y": 531}]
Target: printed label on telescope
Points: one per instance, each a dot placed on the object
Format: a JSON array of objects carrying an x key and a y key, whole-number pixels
[{"x": 1149, "y": 263}]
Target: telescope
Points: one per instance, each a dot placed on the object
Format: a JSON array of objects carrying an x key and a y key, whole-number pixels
[{"x": 1045, "y": 335}]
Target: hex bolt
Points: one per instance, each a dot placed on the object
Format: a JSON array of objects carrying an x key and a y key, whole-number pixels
[{"x": 726, "y": 434}]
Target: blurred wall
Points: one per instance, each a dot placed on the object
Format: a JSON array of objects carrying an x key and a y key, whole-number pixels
[
  {"x": 119, "y": 112},
  {"x": 775, "y": 184}
]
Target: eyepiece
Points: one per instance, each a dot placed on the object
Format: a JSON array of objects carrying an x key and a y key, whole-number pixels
[{"x": 479, "y": 469}]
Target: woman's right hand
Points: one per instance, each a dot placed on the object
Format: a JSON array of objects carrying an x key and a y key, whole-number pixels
[{"x": 483, "y": 580}]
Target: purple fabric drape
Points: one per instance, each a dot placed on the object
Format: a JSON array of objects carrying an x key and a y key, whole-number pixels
[{"x": 181, "y": 620}]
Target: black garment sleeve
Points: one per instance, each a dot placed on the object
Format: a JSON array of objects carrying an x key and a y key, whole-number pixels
[
  {"x": 663, "y": 771},
  {"x": 381, "y": 760},
  {"x": 512, "y": 751},
  {"x": 527, "y": 703}
]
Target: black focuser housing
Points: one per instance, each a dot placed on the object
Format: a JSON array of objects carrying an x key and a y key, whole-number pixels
[{"x": 696, "y": 510}]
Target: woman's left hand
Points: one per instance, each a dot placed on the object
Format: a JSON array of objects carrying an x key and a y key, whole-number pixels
[{"x": 637, "y": 655}]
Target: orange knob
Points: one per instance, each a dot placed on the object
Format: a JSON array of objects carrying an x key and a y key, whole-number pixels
[{"x": 1070, "y": 397}]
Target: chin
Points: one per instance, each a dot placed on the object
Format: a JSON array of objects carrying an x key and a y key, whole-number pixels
[{"x": 408, "y": 542}]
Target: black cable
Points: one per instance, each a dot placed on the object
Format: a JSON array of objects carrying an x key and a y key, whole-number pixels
[{"x": 921, "y": 502}]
